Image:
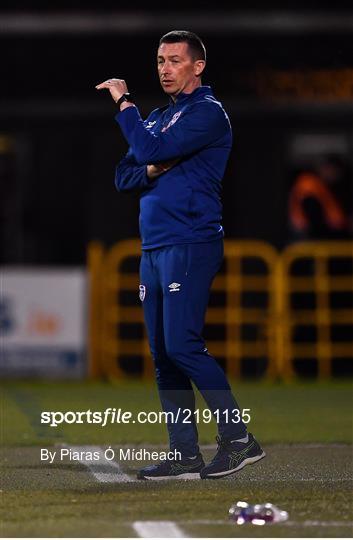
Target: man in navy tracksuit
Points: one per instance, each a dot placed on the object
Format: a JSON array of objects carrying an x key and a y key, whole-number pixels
[{"x": 177, "y": 158}]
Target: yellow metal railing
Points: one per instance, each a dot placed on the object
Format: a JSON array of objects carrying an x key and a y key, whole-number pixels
[
  {"x": 251, "y": 268},
  {"x": 235, "y": 283},
  {"x": 321, "y": 281}
]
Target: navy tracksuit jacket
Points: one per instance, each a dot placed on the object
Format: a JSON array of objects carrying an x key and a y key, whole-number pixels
[{"x": 182, "y": 250}]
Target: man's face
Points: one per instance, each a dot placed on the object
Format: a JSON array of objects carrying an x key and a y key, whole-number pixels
[{"x": 177, "y": 70}]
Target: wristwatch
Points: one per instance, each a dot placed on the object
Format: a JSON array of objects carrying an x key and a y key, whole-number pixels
[{"x": 124, "y": 97}]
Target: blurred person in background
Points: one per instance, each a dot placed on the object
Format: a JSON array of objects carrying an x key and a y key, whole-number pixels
[
  {"x": 176, "y": 159},
  {"x": 320, "y": 201}
]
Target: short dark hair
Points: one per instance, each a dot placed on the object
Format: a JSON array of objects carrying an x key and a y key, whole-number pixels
[{"x": 196, "y": 47}]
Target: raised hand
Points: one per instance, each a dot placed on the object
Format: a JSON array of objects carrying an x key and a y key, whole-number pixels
[{"x": 116, "y": 87}]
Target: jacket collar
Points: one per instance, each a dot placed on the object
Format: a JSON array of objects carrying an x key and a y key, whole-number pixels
[{"x": 198, "y": 92}]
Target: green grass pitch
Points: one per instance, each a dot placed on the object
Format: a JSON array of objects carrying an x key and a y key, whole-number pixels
[{"x": 305, "y": 429}]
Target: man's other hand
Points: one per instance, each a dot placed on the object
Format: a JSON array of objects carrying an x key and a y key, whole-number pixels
[{"x": 153, "y": 171}]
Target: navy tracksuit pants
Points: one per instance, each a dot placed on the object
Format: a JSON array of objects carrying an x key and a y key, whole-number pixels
[{"x": 175, "y": 286}]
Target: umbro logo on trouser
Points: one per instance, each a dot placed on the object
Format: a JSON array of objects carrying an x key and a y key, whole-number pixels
[{"x": 174, "y": 287}]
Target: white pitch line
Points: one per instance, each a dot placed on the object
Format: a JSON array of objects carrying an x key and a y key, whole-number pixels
[
  {"x": 310, "y": 523},
  {"x": 113, "y": 474},
  {"x": 157, "y": 529},
  {"x": 307, "y": 523},
  {"x": 327, "y": 480}
]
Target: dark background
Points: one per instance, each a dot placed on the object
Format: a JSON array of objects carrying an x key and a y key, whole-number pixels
[{"x": 60, "y": 142}]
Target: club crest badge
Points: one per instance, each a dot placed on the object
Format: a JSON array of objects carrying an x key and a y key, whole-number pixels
[
  {"x": 173, "y": 120},
  {"x": 142, "y": 292}
]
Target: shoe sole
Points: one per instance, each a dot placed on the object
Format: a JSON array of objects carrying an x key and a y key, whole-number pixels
[
  {"x": 247, "y": 461},
  {"x": 185, "y": 476}
]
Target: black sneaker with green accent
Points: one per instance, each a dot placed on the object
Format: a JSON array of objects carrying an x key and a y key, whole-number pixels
[
  {"x": 185, "y": 469},
  {"x": 232, "y": 456}
]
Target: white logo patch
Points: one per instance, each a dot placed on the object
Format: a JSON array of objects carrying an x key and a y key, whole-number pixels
[
  {"x": 174, "y": 287},
  {"x": 151, "y": 124},
  {"x": 142, "y": 292}
]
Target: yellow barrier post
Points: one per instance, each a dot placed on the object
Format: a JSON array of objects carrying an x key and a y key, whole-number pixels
[
  {"x": 95, "y": 257},
  {"x": 114, "y": 313}
]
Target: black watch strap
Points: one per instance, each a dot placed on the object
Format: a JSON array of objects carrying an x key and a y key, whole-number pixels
[{"x": 124, "y": 97}]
